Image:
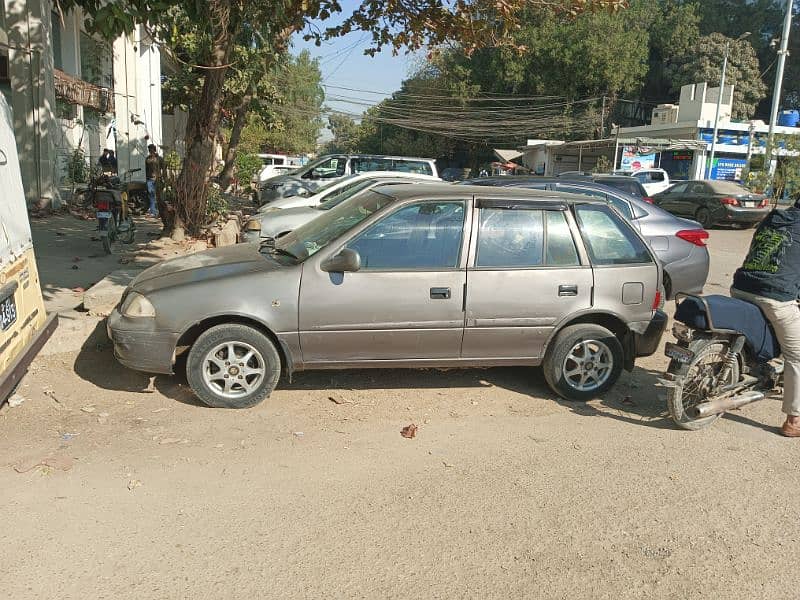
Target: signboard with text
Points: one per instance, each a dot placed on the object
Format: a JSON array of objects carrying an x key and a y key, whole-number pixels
[
  {"x": 632, "y": 159},
  {"x": 728, "y": 168}
]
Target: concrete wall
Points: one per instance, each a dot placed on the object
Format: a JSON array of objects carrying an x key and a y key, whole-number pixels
[{"x": 33, "y": 97}]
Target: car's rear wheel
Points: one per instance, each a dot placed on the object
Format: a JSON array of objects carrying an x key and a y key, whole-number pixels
[
  {"x": 233, "y": 366},
  {"x": 703, "y": 217},
  {"x": 583, "y": 362}
]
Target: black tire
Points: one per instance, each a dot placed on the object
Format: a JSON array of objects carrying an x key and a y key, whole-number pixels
[
  {"x": 568, "y": 339},
  {"x": 682, "y": 396},
  {"x": 703, "y": 217},
  {"x": 667, "y": 287},
  {"x": 213, "y": 347}
]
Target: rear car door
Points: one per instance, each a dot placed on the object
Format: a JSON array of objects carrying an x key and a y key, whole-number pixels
[
  {"x": 525, "y": 275},
  {"x": 406, "y": 301},
  {"x": 626, "y": 277}
]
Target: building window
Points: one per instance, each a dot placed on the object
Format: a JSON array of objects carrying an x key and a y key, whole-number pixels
[{"x": 55, "y": 39}]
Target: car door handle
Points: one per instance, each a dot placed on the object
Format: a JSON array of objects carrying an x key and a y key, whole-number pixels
[
  {"x": 440, "y": 293},
  {"x": 568, "y": 290}
]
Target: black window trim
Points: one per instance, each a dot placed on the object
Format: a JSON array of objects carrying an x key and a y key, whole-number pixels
[{"x": 587, "y": 245}]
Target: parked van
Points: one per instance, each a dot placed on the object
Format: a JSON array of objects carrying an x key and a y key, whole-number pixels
[
  {"x": 24, "y": 326},
  {"x": 331, "y": 167}
]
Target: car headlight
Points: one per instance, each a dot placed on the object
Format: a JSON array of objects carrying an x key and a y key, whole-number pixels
[
  {"x": 253, "y": 225},
  {"x": 137, "y": 306}
]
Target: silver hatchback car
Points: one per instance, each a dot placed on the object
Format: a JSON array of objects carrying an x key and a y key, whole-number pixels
[{"x": 406, "y": 276}]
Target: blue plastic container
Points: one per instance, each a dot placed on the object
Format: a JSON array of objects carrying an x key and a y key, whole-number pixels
[{"x": 789, "y": 118}]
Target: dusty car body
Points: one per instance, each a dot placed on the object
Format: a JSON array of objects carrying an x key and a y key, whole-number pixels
[{"x": 406, "y": 276}]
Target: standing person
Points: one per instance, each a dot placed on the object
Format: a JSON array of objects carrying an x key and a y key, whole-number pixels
[
  {"x": 153, "y": 167},
  {"x": 770, "y": 279}
]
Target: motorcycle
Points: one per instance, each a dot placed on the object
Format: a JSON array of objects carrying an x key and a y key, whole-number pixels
[
  {"x": 114, "y": 219},
  {"x": 725, "y": 356}
]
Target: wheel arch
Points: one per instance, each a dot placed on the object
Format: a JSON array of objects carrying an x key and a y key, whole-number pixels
[
  {"x": 189, "y": 336},
  {"x": 610, "y": 321}
]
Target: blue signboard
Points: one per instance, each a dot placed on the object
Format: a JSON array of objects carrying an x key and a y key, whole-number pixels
[{"x": 728, "y": 168}]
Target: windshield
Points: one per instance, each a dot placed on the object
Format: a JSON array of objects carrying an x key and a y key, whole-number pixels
[
  {"x": 338, "y": 196},
  {"x": 308, "y": 239}
]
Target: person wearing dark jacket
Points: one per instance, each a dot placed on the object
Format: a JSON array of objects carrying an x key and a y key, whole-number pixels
[{"x": 770, "y": 279}]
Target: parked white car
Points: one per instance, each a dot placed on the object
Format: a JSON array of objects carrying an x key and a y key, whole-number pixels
[
  {"x": 653, "y": 180},
  {"x": 340, "y": 186},
  {"x": 311, "y": 177}
]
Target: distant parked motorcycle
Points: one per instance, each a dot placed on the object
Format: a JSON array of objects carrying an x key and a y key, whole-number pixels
[
  {"x": 114, "y": 219},
  {"x": 726, "y": 357}
]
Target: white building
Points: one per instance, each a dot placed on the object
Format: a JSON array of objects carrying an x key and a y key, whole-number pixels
[{"x": 72, "y": 91}]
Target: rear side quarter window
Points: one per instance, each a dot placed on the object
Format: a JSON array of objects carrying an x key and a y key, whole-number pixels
[{"x": 609, "y": 239}]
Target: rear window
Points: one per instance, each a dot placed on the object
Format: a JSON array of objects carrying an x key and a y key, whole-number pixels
[
  {"x": 727, "y": 187},
  {"x": 378, "y": 163},
  {"x": 609, "y": 240}
]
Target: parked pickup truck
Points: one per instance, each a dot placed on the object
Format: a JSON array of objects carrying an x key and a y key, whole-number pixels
[{"x": 24, "y": 326}]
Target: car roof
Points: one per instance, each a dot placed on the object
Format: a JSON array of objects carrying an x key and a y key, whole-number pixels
[
  {"x": 449, "y": 191},
  {"x": 392, "y": 156}
]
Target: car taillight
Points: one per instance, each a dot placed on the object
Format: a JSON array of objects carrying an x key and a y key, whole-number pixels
[
  {"x": 697, "y": 237},
  {"x": 763, "y": 204},
  {"x": 657, "y": 300},
  {"x": 101, "y": 204},
  {"x": 648, "y": 199},
  {"x": 730, "y": 201}
]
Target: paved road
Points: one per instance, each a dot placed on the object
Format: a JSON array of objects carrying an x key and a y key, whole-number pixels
[{"x": 506, "y": 492}]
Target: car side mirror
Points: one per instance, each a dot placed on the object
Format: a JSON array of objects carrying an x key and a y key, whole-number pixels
[{"x": 346, "y": 261}]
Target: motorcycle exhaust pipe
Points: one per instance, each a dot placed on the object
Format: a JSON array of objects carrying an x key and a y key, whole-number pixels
[{"x": 715, "y": 407}]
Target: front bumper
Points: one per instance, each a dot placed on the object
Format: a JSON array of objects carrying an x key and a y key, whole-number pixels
[
  {"x": 645, "y": 343},
  {"x": 140, "y": 348}
]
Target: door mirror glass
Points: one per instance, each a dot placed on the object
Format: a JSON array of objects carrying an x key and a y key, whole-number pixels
[{"x": 346, "y": 261}]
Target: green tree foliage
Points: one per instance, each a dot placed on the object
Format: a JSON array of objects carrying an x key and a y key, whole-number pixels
[
  {"x": 396, "y": 25},
  {"x": 345, "y": 134},
  {"x": 703, "y": 62}
]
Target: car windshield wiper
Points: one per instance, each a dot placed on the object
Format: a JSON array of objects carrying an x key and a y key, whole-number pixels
[{"x": 269, "y": 246}]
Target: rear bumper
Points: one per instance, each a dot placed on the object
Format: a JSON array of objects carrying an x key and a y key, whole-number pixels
[
  {"x": 732, "y": 214},
  {"x": 140, "y": 349},
  {"x": 646, "y": 342},
  {"x": 15, "y": 371}
]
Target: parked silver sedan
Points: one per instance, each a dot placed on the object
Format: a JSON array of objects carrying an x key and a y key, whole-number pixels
[
  {"x": 406, "y": 276},
  {"x": 272, "y": 223}
]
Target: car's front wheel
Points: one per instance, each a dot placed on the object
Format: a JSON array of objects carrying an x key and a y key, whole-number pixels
[
  {"x": 233, "y": 366},
  {"x": 583, "y": 362}
]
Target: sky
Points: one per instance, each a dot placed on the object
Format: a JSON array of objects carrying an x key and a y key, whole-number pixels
[{"x": 344, "y": 64}]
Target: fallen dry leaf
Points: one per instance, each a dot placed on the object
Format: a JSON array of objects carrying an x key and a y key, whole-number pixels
[
  {"x": 409, "y": 431},
  {"x": 133, "y": 484}
]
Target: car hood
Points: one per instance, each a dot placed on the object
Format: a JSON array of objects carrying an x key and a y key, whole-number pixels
[
  {"x": 203, "y": 266},
  {"x": 286, "y": 213}
]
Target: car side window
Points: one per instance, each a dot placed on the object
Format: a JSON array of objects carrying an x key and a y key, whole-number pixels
[
  {"x": 697, "y": 188},
  {"x": 641, "y": 177},
  {"x": 510, "y": 238},
  {"x": 679, "y": 188},
  {"x": 656, "y": 176},
  {"x": 560, "y": 250},
  {"x": 623, "y": 207},
  {"x": 609, "y": 239},
  {"x": 420, "y": 236}
]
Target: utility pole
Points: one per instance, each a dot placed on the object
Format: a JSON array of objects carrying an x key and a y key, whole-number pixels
[
  {"x": 776, "y": 93},
  {"x": 719, "y": 102},
  {"x": 716, "y": 116}
]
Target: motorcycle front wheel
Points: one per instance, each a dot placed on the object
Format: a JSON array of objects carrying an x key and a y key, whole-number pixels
[{"x": 699, "y": 381}]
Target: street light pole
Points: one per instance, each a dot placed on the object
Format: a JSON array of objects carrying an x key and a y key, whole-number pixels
[
  {"x": 719, "y": 101},
  {"x": 719, "y": 105},
  {"x": 776, "y": 93}
]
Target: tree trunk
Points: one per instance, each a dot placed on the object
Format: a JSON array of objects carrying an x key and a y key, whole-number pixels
[
  {"x": 239, "y": 121},
  {"x": 203, "y": 123}
]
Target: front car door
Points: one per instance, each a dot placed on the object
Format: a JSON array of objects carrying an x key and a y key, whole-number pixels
[
  {"x": 405, "y": 303},
  {"x": 526, "y": 273},
  {"x": 670, "y": 199}
]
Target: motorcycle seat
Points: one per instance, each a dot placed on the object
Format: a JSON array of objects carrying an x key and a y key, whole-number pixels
[{"x": 721, "y": 313}]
